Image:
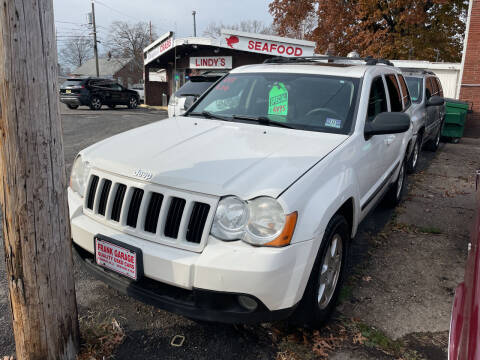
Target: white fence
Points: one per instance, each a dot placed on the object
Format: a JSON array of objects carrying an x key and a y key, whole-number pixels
[{"x": 448, "y": 73}]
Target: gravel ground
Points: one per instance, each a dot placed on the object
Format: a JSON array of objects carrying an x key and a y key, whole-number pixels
[{"x": 402, "y": 277}]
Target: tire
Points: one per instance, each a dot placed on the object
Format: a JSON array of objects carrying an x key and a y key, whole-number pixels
[
  {"x": 112, "y": 106},
  {"x": 313, "y": 311},
  {"x": 95, "y": 103},
  {"x": 413, "y": 161},
  {"x": 395, "y": 193},
  {"x": 132, "y": 102},
  {"x": 433, "y": 144},
  {"x": 73, "y": 107}
]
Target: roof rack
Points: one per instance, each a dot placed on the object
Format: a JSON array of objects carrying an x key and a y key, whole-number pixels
[
  {"x": 417, "y": 70},
  {"x": 329, "y": 59}
]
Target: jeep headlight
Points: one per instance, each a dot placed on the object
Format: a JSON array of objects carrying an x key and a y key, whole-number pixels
[
  {"x": 79, "y": 175},
  {"x": 261, "y": 221}
]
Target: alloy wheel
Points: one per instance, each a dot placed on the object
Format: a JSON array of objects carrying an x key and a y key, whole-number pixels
[
  {"x": 96, "y": 103},
  {"x": 401, "y": 177},
  {"x": 133, "y": 102},
  {"x": 416, "y": 151},
  {"x": 330, "y": 271}
]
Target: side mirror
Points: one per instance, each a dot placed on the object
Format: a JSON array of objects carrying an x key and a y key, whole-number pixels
[
  {"x": 435, "y": 101},
  {"x": 387, "y": 123}
]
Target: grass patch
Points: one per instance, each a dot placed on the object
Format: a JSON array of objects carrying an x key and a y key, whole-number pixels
[
  {"x": 346, "y": 293},
  {"x": 371, "y": 337},
  {"x": 377, "y": 339},
  {"x": 430, "y": 230},
  {"x": 99, "y": 337}
]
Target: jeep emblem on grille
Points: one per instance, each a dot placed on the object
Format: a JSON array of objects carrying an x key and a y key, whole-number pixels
[{"x": 143, "y": 174}]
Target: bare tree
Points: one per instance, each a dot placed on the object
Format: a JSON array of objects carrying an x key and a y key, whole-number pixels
[
  {"x": 253, "y": 26},
  {"x": 128, "y": 41},
  {"x": 76, "y": 51},
  {"x": 302, "y": 29}
]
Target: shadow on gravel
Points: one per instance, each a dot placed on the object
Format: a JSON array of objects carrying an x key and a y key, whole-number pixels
[{"x": 379, "y": 217}]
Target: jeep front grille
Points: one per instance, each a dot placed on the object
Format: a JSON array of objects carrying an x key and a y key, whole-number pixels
[{"x": 152, "y": 212}]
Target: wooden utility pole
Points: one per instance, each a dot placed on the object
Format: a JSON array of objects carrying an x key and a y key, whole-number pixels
[
  {"x": 33, "y": 185},
  {"x": 95, "y": 47}
]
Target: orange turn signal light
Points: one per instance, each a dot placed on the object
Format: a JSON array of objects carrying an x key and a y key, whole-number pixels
[{"x": 287, "y": 233}]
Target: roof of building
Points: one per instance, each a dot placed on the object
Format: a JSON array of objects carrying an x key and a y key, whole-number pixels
[{"x": 107, "y": 67}]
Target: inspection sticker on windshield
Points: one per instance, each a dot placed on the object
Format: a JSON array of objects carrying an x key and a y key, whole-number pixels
[
  {"x": 334, "y": 123},
  {"x": 278, "y": 100}
]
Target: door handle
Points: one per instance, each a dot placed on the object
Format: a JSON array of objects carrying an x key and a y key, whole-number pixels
[{"x": 389, "y": 139}]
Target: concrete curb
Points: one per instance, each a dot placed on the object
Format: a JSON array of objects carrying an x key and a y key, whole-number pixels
[{"x": 164, "y": 108}]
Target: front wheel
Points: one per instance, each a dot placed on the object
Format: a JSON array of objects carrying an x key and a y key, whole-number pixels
[
  {"x": 433, "y": 145},
  {"x": 73, "y": 107},
  {"x": 326, "y": 278},
  {"x": 133, "y": 102},
  {"x": 413, "y": 162}
]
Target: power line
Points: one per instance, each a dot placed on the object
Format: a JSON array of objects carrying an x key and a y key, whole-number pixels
[{"x": 117, "y": 11}]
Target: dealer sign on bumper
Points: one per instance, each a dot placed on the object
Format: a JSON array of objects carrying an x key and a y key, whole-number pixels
[{"x": 116, "y": 258}]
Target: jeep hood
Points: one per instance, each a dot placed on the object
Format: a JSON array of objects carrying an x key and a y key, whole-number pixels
[{"x": 214, "y": 157}]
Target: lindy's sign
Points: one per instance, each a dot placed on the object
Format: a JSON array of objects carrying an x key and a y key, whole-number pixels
[
  {"x": 266, "y": 44},
  {"x": 211, "y": 62}
]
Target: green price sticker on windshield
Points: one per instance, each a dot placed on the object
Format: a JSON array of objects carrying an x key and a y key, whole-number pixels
[{"x": 278, "y": 100}]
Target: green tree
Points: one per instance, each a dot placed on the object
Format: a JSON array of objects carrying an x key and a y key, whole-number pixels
[{"x": 395, "y": 29}]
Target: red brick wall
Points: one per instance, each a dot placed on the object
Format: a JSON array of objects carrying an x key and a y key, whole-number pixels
[{"x": 470, "y": 90}]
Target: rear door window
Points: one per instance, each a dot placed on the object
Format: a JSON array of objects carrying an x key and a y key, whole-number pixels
[
  {"x": 434, "y": 86},
  {"x": 394, "y": 93},
  {"x": 428, "y": 88},
  {"x": 406, "y": 95},
  {"x": 377, "y": 101},
  {"x": 439, "y": 85},
  {"x": 72, "y": 83}
]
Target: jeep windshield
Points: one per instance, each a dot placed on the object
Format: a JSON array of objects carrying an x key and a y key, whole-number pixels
[{"x": 301, "y": 101}]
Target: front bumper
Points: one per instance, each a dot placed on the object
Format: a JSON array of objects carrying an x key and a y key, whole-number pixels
[
  {"x": 275, "y": 277},
  {"x": 196, "y": 303}
]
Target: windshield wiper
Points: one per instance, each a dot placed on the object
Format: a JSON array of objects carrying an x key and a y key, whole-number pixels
[
  {"x": 209, "y": 115},
  {"x": 263, "y": 120}
]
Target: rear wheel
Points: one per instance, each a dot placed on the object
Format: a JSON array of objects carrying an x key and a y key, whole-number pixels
[
  {"x": 132, "y": 103},
  {"x": 395, "y": 193},
  {"x": 95, "y": 103},
  {"x": 326, "y": 278},
  {"x": 73, "y": 107}
]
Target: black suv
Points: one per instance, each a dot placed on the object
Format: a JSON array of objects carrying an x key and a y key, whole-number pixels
[{"x": 95, "y": 92}]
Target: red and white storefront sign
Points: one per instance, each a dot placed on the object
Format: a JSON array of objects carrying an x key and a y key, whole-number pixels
[
  {"x": 159, "y": 47},
  {"x": 211, "y": 62},
  {"x": 266, "y": 44}
]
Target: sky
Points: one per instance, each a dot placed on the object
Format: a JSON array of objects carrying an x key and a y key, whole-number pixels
[{"x": 165, "y": 15}]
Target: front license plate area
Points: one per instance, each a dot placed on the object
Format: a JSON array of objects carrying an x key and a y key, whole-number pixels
[
  {"x": 116, "y": 256},
  {"x": 68, "y": 91}
]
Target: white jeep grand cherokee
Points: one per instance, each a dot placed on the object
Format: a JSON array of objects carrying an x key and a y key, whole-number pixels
[{"x": 243, "y": 209}]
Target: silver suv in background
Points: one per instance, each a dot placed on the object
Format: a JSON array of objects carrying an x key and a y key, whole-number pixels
[
  {"x": 427, "y": 111},
  {"x": 184, "y": 97}
]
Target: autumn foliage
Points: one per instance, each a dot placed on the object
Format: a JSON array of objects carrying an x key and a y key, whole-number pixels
[{"x": 394, "y": 29}]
